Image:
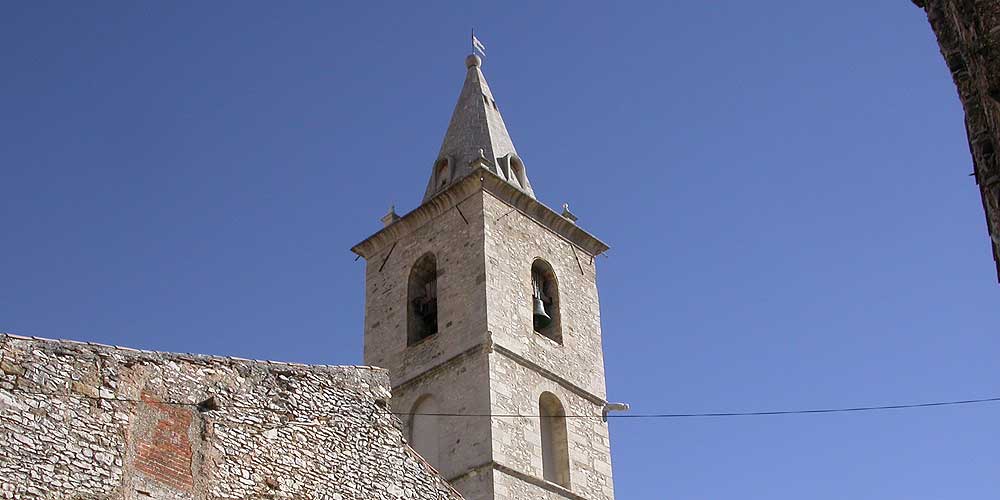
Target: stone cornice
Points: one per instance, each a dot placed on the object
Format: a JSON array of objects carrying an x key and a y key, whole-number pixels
[
  {"x": 489, "y": 346},
  {"x": 541, "y": 483},
  {"x": 566, "y": 384},
  {"x": 416, "y": 218},
  {"x": 542, "y": 214},
  {"x": 480, "y": 180},
  {"x": 522, "y": 476},
  {"x": 442, "y": 365}
]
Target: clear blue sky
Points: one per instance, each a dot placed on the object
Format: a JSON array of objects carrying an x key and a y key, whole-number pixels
[{"x": 784, "y": 186}]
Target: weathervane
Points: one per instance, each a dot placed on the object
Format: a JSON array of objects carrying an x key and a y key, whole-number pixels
[{"x": 477, "y": 46}]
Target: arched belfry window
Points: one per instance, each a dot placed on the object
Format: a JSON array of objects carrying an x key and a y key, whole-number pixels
[
  {"x": 442, "y": 173},
  {"x": 503, "y": 167},
  {"x": 545, "y": 315},
  {"x": 425, "y": 429},
  {"x": 517, "y": 176},
  {"x": 555, "y": 443},
  {"x": 422, "y": 306}
]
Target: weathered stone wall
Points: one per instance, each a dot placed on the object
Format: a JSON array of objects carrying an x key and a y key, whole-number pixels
[
  {"x": 84, "y": 421},
  {"x": 448, "y": 365},
  {"x": 517, "y": 441},
  {"x": 454, "y": 234},
  {"x": 525, "y": 364},
  {"x": 460, "y": 386},
  {"x": 513, "y": 242},
  {"x": 968, "y": 32},
  {"x": 486, "y": 359}
]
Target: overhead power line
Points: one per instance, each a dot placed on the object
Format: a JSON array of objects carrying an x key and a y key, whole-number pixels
[
  {"x": 222, "y": 404},
  {"x": 733, "y": 413}
]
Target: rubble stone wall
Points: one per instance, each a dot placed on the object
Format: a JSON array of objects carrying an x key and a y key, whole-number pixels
[
  {"x": 85, "y": 421},
  {"x": 968, "y": 32}
]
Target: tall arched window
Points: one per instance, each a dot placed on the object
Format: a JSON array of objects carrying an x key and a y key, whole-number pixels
[
  {"x": 545, "y": 301},
  {"x": 425, "y": 430},
  {"x": 422, "y": 310},
  {"x": 555, "y": 444}
]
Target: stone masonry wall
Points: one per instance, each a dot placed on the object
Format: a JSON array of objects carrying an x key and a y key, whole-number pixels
[
  {"x": 522, "y": 356},
  {"x": 448, "y": 365},
  {"x": 517, "y": 441},
  {"x": 464, "y": 443},
  {"x": 90, "y": 422},
  {"x": 968, "y": 32},
  {"x": 454, "y": 236},
  {"x": 486, "y": 359},
  {"x": 513, "y": 242}
]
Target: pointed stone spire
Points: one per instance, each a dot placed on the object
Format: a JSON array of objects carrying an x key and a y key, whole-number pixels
[{"x": 476, "y": 137}]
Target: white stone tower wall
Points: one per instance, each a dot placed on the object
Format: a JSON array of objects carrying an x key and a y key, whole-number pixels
[
  {"x": 461, "y": 296},
  {"x": 525, "y": 364},
  {"x": 463, "y": 442},
  {"x": 449, "y": 365},
  {"x": 513, "y": 241},
  {"x": 486, "y": 361},
  {"x": 516, "y": 389}
]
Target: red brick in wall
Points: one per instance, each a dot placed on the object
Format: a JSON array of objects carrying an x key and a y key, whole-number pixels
[{"x": 164, "y": 453}]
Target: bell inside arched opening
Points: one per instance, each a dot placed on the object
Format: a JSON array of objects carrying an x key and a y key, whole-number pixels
[
  {"x": 545, "y": 315},
  {"x": 422, "y": 305}
]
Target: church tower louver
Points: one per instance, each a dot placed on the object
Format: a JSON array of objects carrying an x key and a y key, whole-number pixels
[{"x": 483, "y": 302}]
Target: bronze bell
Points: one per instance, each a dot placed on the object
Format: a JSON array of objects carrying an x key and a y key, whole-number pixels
[{"x": 540, "y": 317}]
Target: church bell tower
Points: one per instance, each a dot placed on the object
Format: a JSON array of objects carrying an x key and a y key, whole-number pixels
[{"x": 482, "y": 304}]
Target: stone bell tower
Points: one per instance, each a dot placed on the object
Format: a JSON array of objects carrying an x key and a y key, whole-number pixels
[{"x": 482, "y": 303}]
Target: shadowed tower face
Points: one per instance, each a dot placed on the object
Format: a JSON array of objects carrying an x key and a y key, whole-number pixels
[{"x": 482, "y": 301}]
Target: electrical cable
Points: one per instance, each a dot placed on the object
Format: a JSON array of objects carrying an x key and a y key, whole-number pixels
[{"x": 517, "y": 415}]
